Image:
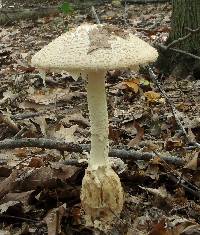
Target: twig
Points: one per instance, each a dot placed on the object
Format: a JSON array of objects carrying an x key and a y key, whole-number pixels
[
  {"x": 178, "y": 51},
  {"x": 125, "y": 13},
  {"x": 173, "y": 108},
  {"x": 190, "y": 188},
  {"x": 21, "y": 132},
  {"x": 95, "y": 15},
  {"x": 80, "y": 148},
  {"x": 181, "y": 39},
  {"x": 26, "y": 115},
  {"x": 179, "y": 179},
  {"x": 20, "y": 218}
]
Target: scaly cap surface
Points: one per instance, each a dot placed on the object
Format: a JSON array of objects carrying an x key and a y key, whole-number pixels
[{"x": 92, "y": 48}]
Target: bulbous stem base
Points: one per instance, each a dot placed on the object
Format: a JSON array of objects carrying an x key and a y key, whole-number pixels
[{"x": 101, "y": 195}]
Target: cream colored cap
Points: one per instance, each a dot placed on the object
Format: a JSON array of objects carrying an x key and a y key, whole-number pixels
[{"x": 92, "y": 48}]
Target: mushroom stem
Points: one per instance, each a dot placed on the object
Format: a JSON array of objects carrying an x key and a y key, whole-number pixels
[{"x": 97, "y": 106}]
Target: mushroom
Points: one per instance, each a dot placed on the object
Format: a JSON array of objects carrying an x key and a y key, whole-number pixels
[{"x": 92, "y": 50}]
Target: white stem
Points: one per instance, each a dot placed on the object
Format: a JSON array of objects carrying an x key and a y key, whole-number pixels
[{"x": 97, "y": 106}]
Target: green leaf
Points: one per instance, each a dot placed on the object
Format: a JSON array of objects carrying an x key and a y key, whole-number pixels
[
  {"x": 144, "y": 82},
  {"x": 65, "y": 8}
]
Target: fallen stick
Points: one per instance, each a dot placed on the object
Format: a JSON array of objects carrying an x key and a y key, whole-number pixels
[
  {"x": 165, "y": 48},
  {"x": 172, "y": 106},
  {"x": 9, "y": 15},
  {"x": 80, "y": 148},
  {"x": 144, "y": 1}
]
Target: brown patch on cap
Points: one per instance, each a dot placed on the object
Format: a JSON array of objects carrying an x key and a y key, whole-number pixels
[{"x": 99, "y": 37}]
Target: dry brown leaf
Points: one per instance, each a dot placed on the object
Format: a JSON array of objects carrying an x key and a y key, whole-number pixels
[
  {"x": 7, "y": 184},
  {"x": 54, "y": 218},
  {"x": 36, "y": 162},
  {"x": 66, "y": 134},
  {"x": 5, "y": 206},
  {"x": 133, "y": 85},
  {"x": 161, "y": 192},
  {"x": 4, "y": 232},
  {"x": 175, "y": 226},
  {"x": 161, "y": 229},
  {"x": 153, "y": 172},
  {"x": 173, "y": 143},
  {"x": 138, "y": 137},
  {"x": 31, "y": 178},
  {"x": 152, "y": 96},
  {"x": 185, "y": 228},
  {"x": 191, "y": 230},
  {"x": 48, "y": 96},
  {"x": 75, "y": 118},
  {"x": 21, "y": 152},
  {"x": 194, "y": 163},
  {"x": 41, "y": 121},
  {"x": 22, "y": 197},
  {"x": 183, "y": 107},
  {"x": 63, "y": 172}
]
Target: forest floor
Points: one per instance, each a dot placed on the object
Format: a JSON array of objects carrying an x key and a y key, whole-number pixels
[{"x": 40, "y": 187}]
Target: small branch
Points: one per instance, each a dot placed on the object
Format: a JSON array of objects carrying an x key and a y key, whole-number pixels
[
  {"x": 125, "y": 13},
  {"x": 21, "y": 132},
  {"x": 189, "y": 188},
  {"x": 40, "y": 143},
  {"x": 178, "y": 51},
  {"x": 95, "y": 15},
  {"x": 20, "y": 218},
  {"x": 181, "y": 39},
  {"x": 8, "y": 15},
  {"x": 80, "y": 148},
  {"x": 23, "y": 116},
  {"x": 172, "y": 106}
]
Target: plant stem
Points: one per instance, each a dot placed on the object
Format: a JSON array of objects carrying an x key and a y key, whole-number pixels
[{"x": 98, "y": 112}]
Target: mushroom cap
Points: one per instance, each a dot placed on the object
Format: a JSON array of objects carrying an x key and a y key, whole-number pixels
[{"x": 94, "y": 47}]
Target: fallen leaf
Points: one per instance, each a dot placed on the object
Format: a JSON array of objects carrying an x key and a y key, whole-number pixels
[
  {"x": 161, "y": 229},
  {"x": 41, "y": 121},
  {"x": 75, "y": 118},
  {"x": 63, "y": 172},
  {"x": 194, "y": 163},
  {"x": 152, "y": 96},
  {"x": 53, "y": 220},
  {"x": 173, "y": 143},
  {"x": 133, "y": 85},
  {"x": 66, "y": 134},
  {"x": 161, "y": 192},
  {"x": 5, "y": 206},
  {"x": 36, "y": 162},
  {"x": 138, "y": 137}
]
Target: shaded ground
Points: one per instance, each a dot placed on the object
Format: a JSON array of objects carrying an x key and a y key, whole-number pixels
[
  {"x": 38, "y": 192},
  {"x": 20, "y": 3}
]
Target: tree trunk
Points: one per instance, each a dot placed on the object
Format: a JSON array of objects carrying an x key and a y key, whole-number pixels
[{"x": 185, "y": 14}]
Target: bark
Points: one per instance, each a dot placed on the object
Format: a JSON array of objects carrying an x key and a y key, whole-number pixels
[{"x": 185, "y": 14}]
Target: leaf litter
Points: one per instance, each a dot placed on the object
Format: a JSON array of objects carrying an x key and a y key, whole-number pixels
[{"x": 39, "y": 194}]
